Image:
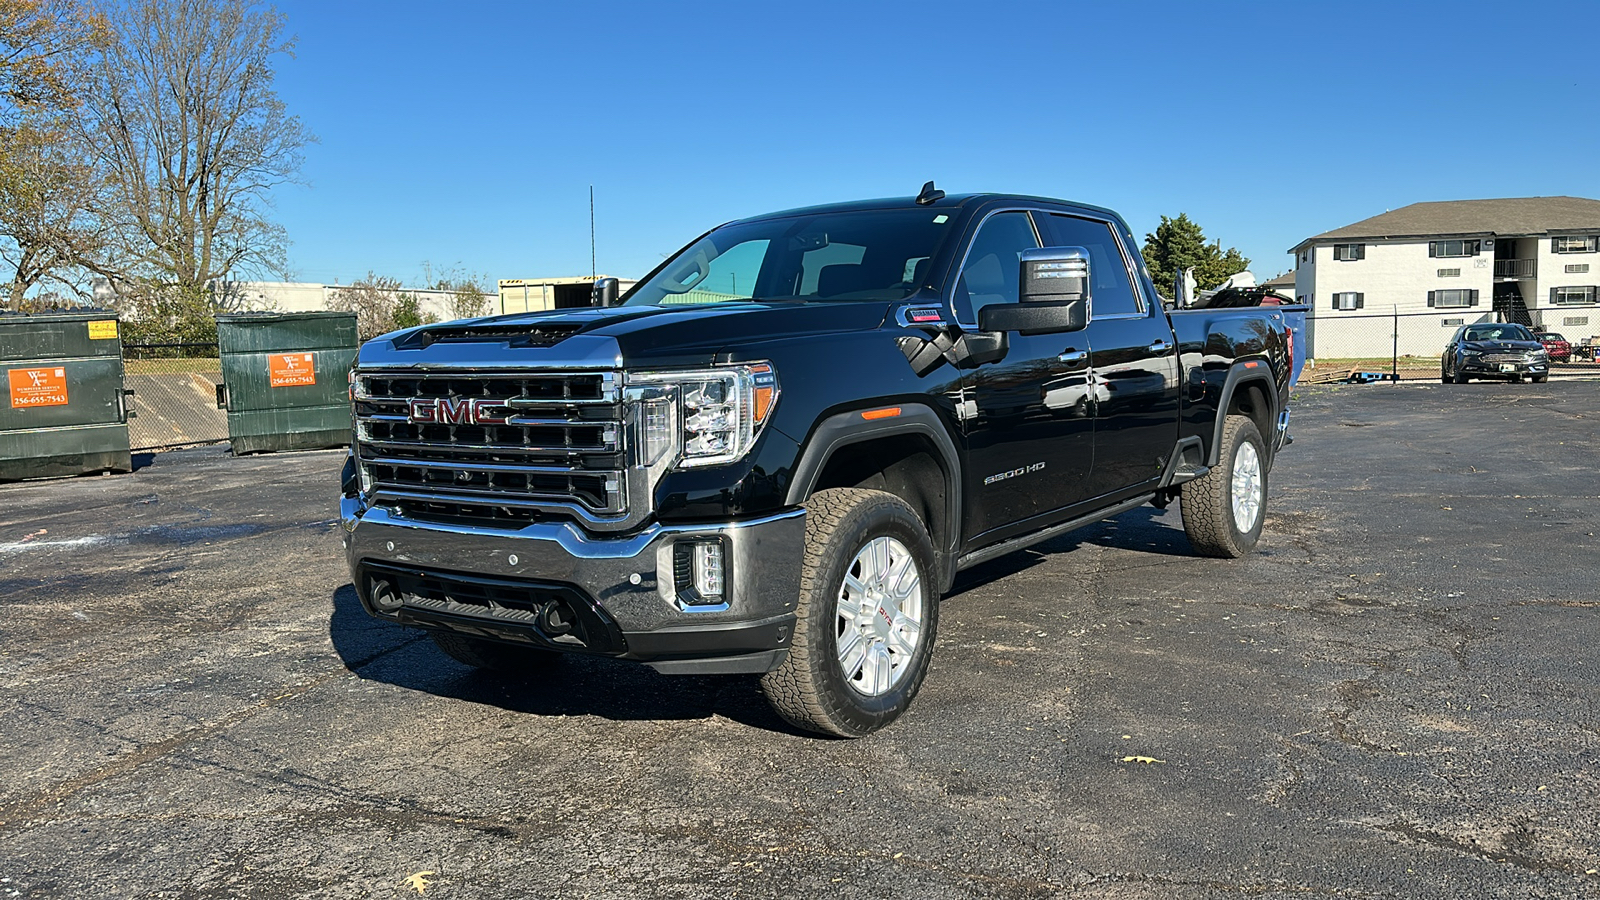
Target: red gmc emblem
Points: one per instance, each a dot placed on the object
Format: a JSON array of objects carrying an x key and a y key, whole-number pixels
[{"x": 455, "y": 411}]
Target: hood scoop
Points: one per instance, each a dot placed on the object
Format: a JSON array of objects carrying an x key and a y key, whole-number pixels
[{"x": 515, "y": 334}]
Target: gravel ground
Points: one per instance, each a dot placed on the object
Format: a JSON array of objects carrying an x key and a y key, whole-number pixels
[{"x": 1399, "y": 696}]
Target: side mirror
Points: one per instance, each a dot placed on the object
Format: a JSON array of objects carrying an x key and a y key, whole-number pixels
[
  {"x": 1054, "y": 275},
  {"x": 1054, "y": 290},
  {"x": 605, "y": 292}
]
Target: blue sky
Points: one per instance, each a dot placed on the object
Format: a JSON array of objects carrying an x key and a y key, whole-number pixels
[{"x": 467, "y": 134}]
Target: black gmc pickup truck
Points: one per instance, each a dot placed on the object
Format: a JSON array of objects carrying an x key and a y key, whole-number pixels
[{"x": 776, "y": 451}]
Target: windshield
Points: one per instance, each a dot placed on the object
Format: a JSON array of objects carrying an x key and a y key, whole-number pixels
[
  {"x": 865, "y": 255},
  {"x": 1551, "y": 336},
  {"x": 1497, "y": 333}
]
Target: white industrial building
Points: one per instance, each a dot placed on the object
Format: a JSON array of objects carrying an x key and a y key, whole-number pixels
[
  {"x": 1405, "y": 279},
  {"x": 309, "y": 296}
]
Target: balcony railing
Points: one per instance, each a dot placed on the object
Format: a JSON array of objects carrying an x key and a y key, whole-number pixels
[{"x": 1515, "y": 268}]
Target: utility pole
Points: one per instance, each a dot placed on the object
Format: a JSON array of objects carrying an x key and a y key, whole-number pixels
[{"x": 593, "y": 271}]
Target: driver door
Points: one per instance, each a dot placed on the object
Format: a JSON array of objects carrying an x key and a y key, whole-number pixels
[{"x": 1029, "y": 418}]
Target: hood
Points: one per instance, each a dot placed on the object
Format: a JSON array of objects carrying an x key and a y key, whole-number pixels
[{"x": 631, "y": 335}]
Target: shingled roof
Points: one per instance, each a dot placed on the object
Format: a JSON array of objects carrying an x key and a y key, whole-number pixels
[{"x": 1519, "y": 216}]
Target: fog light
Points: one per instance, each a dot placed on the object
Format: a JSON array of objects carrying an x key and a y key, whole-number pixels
[
  {"x": 700, "y": 573},
  {"x": 708, "y": 571}
]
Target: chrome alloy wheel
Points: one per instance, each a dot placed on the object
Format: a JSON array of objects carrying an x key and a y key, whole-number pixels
[
  {"x": 1247, "y": 487},
  {"x": 880, "y": 616}
]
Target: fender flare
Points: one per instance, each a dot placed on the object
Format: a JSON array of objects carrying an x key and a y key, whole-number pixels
[
  {"x": 846, "y": 428},
  {"x": 1241, "y": 373}
]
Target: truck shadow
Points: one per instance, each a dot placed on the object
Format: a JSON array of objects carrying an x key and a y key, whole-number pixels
[
  {"x": 381, "y": 651},
  {"x": 1143, "y": 529}
]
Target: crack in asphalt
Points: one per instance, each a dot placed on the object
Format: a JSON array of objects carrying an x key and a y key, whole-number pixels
[
  {"x": 1515, "y": 856},
  {"x": 26, "y": 809}
]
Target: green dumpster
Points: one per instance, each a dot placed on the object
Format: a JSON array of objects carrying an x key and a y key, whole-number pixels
[
  {"x": 66, "y": 412},
  {"x": 284, "y": 379}
]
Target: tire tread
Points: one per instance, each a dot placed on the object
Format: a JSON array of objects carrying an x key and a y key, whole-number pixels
[
  {"x": 796, "y": 689},
  {"x": 1206, "y": 502}
]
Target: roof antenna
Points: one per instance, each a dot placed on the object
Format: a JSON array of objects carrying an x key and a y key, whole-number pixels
[{"x": 929, "y": 194}]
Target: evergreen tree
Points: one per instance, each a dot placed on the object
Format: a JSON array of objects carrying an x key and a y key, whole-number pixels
[{"x": 1180, "y": 243}]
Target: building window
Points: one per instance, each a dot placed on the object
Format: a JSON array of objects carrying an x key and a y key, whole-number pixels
[
  {"x": 1578, "y": 269},
  {"x": 1349, "y": 300},
  {"x": 1570, "y": 321},
  {"x": 1585, "y": 244},
  {"x": 1444, "y": 249},
  {"x": 1449, "y": 273},
  {"x": 1452, "y": 299},
  {"x": 1572, "y": 296},
  {"x": 1349, "y": 252},
  {"x": 1452, "y": 323},
  {"x": 1305, "y": 255}
]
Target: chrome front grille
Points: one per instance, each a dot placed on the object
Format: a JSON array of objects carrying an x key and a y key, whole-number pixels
[{"x": 493, "y": 448}]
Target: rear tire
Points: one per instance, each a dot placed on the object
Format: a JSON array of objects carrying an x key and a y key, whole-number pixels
[
  {"x": 493, "y": 656},
  {"x": 866, "y": 619},
  {"x": 1223, "y": 510}
]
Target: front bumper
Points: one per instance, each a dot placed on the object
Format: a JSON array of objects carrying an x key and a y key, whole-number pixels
[
  {"x": 622, "y": 591},
  {"x": 1491, "y": 368}
]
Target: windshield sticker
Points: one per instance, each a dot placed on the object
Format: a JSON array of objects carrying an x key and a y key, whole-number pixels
[{"x": 940, "y": 219}]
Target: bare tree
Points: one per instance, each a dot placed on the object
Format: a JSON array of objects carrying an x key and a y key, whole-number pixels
[
  {"x": 46, "y": 197},
  {"x": 468, "y": 295},
  {"x": 41, "y": 42},
  {"x": 380, "y": 305},
  {"x": 46, "y": 183},
  {"x": 184, "y": 120}
]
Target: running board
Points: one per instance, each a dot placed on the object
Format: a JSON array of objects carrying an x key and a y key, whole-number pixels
[{"x": 1028, "y": 540}]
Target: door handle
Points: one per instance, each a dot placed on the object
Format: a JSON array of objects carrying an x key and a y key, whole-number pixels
[
  {"x": 1074, "y": 356},
  {"x": 1160, "y": 347}
]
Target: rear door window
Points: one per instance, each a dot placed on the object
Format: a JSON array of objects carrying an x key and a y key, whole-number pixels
[{"x": 1111, "y": 287}]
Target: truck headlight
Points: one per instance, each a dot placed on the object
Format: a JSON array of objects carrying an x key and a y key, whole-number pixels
[{"x": 702, "y": 417}]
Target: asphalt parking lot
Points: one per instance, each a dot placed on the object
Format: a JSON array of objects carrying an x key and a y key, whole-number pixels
[{"x": 1398, "y": 697}]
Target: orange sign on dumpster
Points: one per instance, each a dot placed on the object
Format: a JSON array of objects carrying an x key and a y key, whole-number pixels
[
  {"x": 291, "y": 370},
  {"x": 38, "y": 387}
]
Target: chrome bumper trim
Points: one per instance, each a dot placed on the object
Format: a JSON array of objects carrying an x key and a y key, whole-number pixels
[{"x": 631, "y": 577}]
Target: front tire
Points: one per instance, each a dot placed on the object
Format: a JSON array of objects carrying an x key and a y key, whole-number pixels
[
  {"x": 1223, "y": 510},
  {"x": 1539, "y": 379},
  {"x": 866, "y": 618}
]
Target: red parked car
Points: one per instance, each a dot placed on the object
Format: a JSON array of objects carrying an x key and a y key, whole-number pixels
[{"x": 1555, "y": 345}]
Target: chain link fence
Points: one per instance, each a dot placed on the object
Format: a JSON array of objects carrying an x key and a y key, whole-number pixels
[
  {"x": 174, "y": 395},
  {"x": 1375, "y": 346}
]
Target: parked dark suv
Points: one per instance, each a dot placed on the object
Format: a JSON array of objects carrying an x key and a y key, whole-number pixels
[{"x": 1494, "y": 350}]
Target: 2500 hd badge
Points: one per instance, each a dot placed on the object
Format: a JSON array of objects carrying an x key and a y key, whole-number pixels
[
  {"x": 683, "y": 476},
  {"x": 1025, "y": 470}
]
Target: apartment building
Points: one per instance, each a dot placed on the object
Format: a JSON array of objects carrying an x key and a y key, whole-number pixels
[{"x": 1405, "y": 279}]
